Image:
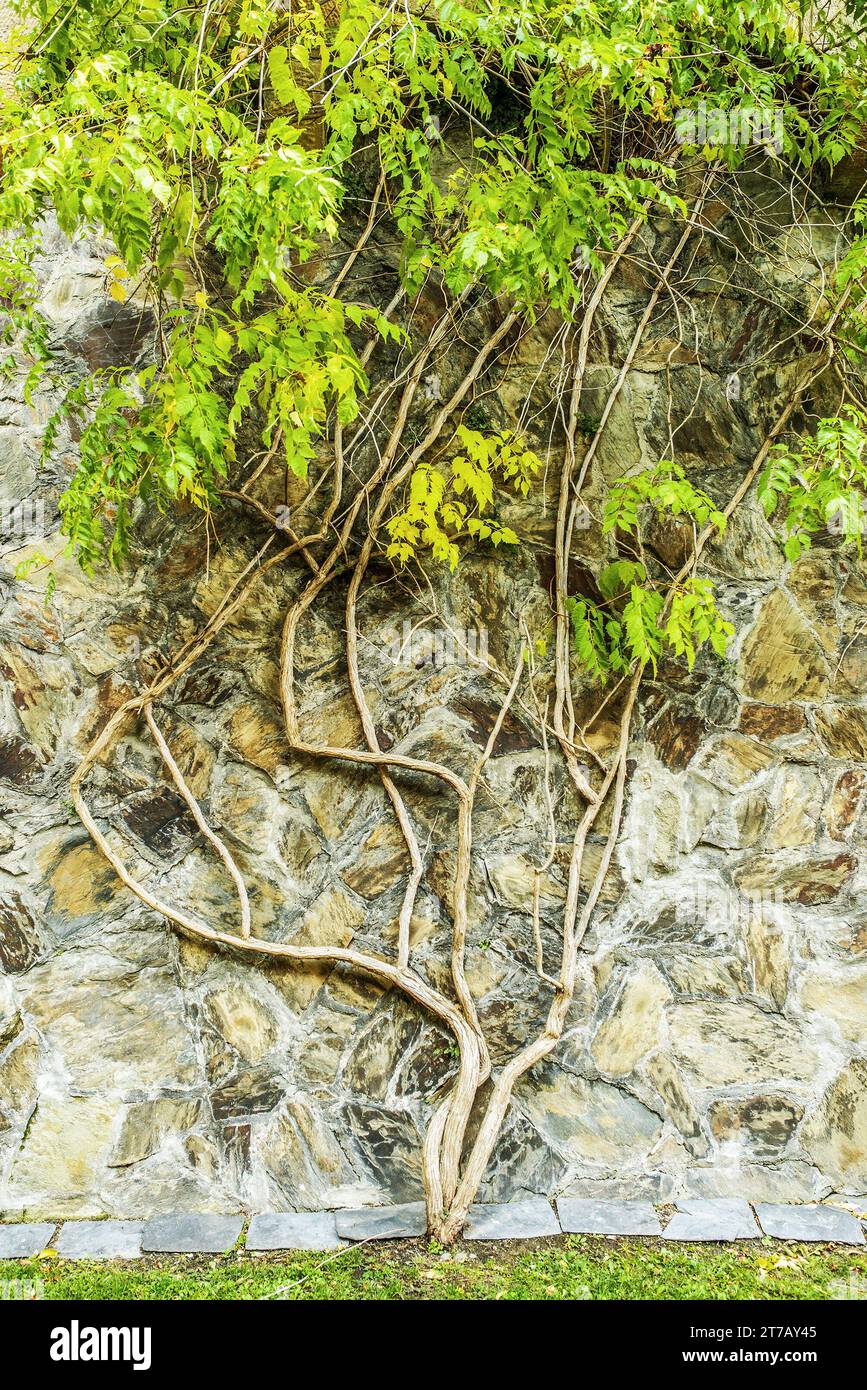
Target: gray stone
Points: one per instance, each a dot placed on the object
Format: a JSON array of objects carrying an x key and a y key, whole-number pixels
[
  {"x": 191, "y": 1233},
  {"x": 21, "y": 1241},
  {"x": 712, "y": 1218},
  {"x": 591, "y": 1217},
  {"x": 511, "y": 1221},
  {"x": 382, "y": 1223},
  {"x": 809, "y": 1223},
  {"x": 303, "y": 1230},
  {"x": 100, "y": 1240}
]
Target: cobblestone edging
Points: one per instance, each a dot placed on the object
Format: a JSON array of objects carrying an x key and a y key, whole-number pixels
[{"x": 199, "y": 1234}]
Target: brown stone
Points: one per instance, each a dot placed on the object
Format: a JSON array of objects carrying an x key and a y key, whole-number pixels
[
  {"x": 243, "y": 1021},
  {"x": 722, "y": 976},
  {"x": 111, "y": 692},
  {"x": 632, "y": 1027},
  {"x": 843, "y": 730},
  {"x": 512, "y": 878},
  {"x": 144, "y": 1124},
  {"x": 807, "y": 881},
  {"x": 854, "y": 588},
  {"x": 194, "y": 757},
  {"x": 764, "y": 1124},
  {"x": 482, "y": 715},
  {"x": 850, "y": 675},
  {"x": 813, "y": 582},
  {"x": 850, "y": 935},
  {"x": 768, "y": 956},
  {"x": 159, "y": 818},
  {"x": 381, "y": 861},
  {"x": 20, "y": 942},
  {"x": 302, "y": 1157},
  {"x": 259, "y": 738},
  {"x": 62, "y": 1160},
  {"x": 339, "y": 796},
  {"x": 332, "y": 920},
  {"x": 251, "y": 1092},
  {"x": 794, "y": 809},
  {"x": 20, "y": 763},
  {"x": 18, "y": 1074},
  {"x": 676, "y": 736},
  {"x": 844, "y": 802},
  {"x": 299, "y": 847},
  {"x": 770, "y": 722},
  {"x": 81, "y": 880}
]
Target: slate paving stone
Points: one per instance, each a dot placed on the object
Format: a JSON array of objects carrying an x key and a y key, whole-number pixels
[
  {"x": 809, "y": 1223},
  {"x": 100, "y": 1240},
  {"x": 712, "y": 1218},
  {"x": 21, "y": 1241},
  {"x": 607, "y": 1218},
  {"x": 382, "y": 1223},
  {"x": 302, "y": 1230},
  {"x": 511, "y": 1221},
  {"x": 191, "y": 1233}
]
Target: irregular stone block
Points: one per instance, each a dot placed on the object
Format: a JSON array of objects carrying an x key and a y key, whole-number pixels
[
  {"x": 809, "y": 1223},
  {"x": 100, "y": 1240},
  {"x": 632, "y": 1027},
  {"x": 21, "y": 1241},
  {"x": 590, "y": 1121},
  {"x": 781, "y": 659},
  {"x": 678, "y": 1102},
  {"x": 390, "y": 1147},
  {"x": 511, "y": 1221},
  {"x": 145, "y": 1124},
  {"x": 63, "y": 1155},
  {"x": 243, "y": 1020},
  {"x": 20, "y": 944},
  {"x": 712, "y": 1218},
  {"x": 763, "y": 1123},
  {"x": 835, "y": 1135},
  {"x": 592, "y": 1217},
  {"x": 191, "y": 1233},
  {"x": 302, "y": 1230},
  {"x": 382, "y": 1223},
  {"x": 723, "y": 1043}
]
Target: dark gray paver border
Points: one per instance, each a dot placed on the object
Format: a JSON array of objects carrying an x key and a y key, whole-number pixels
[
  {"x": 697, "y": 1219},
  {"x": 293, "y": 1230},
  {"x": 24, "y": 1239},
  {"x": 712, "y": 1219},
  {"x": 822, "y": 1223},
  {"x": 191, "y": 1233},
  {"x": 524, "y": 1220},
  {"x": 100, "y": 1240},
  {"x": 402, "y": 1222},
  {"x": 594, "y": 1216}
]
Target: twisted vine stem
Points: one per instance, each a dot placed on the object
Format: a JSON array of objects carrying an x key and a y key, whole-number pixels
[{"x": 452, "y": 1171}]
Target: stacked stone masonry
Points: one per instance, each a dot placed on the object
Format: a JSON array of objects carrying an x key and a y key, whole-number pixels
[{"x": 716, "y": 1044}]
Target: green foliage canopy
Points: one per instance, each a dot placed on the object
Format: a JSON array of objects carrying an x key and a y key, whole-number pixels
[{"x": 216, "y": 144}]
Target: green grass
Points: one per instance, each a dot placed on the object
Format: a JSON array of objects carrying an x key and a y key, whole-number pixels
[{"x": 567, "y": 1268}]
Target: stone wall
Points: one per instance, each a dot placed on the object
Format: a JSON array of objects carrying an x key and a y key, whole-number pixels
[{"x": 716, "y": 1041}]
